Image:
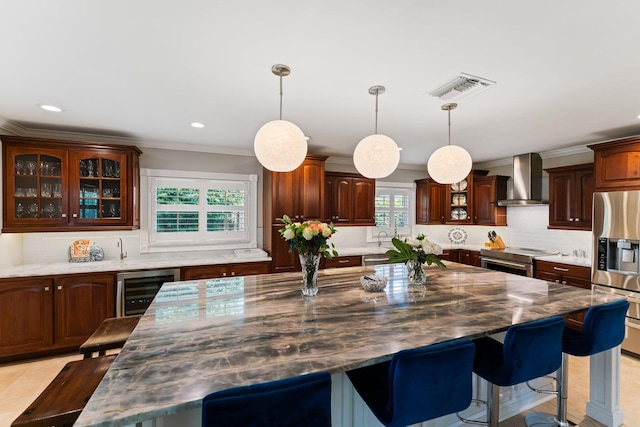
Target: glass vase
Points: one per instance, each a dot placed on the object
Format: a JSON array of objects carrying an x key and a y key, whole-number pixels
[
  {"x": 415, "y": 273},
  {"x": 309, "y": 262}
]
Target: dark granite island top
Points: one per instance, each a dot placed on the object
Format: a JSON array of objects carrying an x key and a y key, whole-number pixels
[{"x": 207, "y": 335}]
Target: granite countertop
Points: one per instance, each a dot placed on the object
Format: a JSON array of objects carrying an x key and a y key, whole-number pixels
[{"x": 202, "y": 336}]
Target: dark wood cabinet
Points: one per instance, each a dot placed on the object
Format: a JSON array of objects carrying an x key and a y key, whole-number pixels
[
  {"x": 224, "y": 270},
  {"x": 26, "y": 317},
  {"x": 62, "y": 186},
  {"x": 341, "y": 261},
  {"x": 571, "y": 196},
  {"x": 52, "y": 313},
  {"x": 349, "y": 199},
  {"x": 487, "y": 190},
  {"x": 471, "y": 201},
  {"x": 430, "y": 202},
  {"x": 466, "y": 256},
  {"x": 617, "y": 164},
  {"x": 567, "y": 274},
  {"x": 299, "y": 194},
  {"x": 81, "y": 303}
]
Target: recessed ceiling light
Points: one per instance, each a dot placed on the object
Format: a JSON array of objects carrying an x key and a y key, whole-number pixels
[
  {"x": 197, "y": 125},
  {"x": 51, "y": 108}
]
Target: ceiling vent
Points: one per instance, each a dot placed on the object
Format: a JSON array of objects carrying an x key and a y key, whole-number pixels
[{"x": 462, "y": 86}]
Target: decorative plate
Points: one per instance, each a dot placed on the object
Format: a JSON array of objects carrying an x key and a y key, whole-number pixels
[
  {"x": 459, "y": 186},
  {"x": 459, "y": 199},
  {"x": 459, "y": 213},
  {"x": 457, "y": 235}
]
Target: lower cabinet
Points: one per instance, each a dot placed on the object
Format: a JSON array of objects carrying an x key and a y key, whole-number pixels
[
  {"x": 341, "y": 261},
  {"x": 41, "y": 314},
  {"x": 224, "y": 270},
  {"x": 463, "y": 256},
  {"x": 567, "y": 274}
]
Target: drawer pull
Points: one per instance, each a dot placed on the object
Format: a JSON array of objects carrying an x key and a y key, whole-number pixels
[
  {"x": 343, "y": 261},
  {"x": 560, "y": 269}
]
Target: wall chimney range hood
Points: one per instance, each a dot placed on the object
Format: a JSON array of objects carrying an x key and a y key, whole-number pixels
[{"x": 527, "y": 181}]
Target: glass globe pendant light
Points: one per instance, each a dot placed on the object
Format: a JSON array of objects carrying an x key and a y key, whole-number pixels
[
  {"x": 279, "y": 145},
  {"x": 376, "y": 156},
  {"x": 451, "y": 163}
]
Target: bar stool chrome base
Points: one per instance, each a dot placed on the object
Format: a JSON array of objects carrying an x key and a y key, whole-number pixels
[{"x": 543, "y": 419}]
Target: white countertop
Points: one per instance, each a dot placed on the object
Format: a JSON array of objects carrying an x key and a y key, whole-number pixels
[{"x": 566, "y": 259}]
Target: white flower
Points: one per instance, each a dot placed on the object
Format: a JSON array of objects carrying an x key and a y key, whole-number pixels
[
  {"x": 307, "y": 233},
  {"x": 326, "y": 231},
  {"x": 288, "y": 234}
]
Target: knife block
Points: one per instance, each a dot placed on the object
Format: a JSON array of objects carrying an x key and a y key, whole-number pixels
[{"x": 498, "y": 243}]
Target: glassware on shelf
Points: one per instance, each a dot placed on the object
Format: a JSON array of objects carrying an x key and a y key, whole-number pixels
[
  {"x": 112, "y": 210},
  {"x": 89, "y": 168},
  {"x": 45, "y": 190},
  {"x": 117, "y": 171},
  {"x": 31, "y": 165},
  {"x": 19, "y": 167},
  {"x": 19, "y": 210},
  {"x": 32, "y": 192},
  {"x": 33, "y": 210},
  {"x": 108, "y": 170},
  {"x": 57, "y": 190},
  {"x": 49, "y": 211},
  {"x": 20, "y": 192}
]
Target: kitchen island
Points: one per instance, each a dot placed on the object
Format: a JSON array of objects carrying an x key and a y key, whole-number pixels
[{"x": 208, "y": 335}]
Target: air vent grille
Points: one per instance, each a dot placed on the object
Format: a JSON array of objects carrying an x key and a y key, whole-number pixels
[{"x": 462, "y": 86}]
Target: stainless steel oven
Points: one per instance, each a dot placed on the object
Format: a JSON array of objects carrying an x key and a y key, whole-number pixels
[
  {"x": 136, "y": 289},
  {"x": 511, "y": 260}
]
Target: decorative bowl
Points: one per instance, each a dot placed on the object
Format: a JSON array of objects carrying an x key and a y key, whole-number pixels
[{"x": 373, "y": 283}]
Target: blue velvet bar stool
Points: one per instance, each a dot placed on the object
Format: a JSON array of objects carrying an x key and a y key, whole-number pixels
[
  {"x": 530, "y": 350},
  {"x": 602, "y": 329},
  {"x": 419, "y": 384},
  {"x": 291, "y": 402}
]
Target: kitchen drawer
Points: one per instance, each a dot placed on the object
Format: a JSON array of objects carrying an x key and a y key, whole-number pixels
[
  {"x": 575, "y": 271},
  {"x": 343, "y": 261}
]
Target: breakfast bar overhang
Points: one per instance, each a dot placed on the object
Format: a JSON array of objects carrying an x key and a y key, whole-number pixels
[{"x": 203, "y": 336}]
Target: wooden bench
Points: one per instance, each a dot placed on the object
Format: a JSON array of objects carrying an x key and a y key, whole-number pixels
[
  {"x": 112, "y": 333},
  {"x": 64, "y": 398}
]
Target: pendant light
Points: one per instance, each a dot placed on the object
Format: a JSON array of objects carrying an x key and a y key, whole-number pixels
[
  {"x": 451, "y": 163},
  {"x": 376, "y": 156},
  {"x": 279, "y": 145}
]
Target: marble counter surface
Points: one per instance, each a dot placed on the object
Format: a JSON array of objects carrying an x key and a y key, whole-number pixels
[
  {"x": 201, "y": 336},
  {"x": 128, "y": 264}
]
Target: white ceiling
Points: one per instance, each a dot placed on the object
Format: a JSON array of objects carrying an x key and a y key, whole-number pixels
[{"x": 567, "y": 72}]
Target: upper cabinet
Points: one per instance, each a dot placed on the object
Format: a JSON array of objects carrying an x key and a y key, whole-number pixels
[
  {"x": 430, "y": 202},
  {"x": 298, "y": 193},
  {"x": 617, "y": 165},
  {"x": 570, "y": 196},
  {"x": 487, "y": 190},
  {"x": 62, "y": 186},
  {"x": 349, "y": 199},
  {"x": 470, "y": 201}
]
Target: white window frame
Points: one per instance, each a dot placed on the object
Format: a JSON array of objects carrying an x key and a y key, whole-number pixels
[
  {"x": 150, "y": 241},
  {"x": 395, "y": 187}
]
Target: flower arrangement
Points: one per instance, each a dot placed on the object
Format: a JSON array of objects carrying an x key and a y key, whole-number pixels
[
  {"x": 309, "y": 237},
  {"x": 419, "y": 250}
]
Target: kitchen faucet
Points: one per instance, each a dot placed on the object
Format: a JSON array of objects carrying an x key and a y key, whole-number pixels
[
  {"x": 123, "y": 255},
  {"x": 380, "y": 232}
]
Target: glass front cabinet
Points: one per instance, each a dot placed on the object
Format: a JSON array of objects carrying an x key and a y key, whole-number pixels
[{"x": 56, "y": 185}]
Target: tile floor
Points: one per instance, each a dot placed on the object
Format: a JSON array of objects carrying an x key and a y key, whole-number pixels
[{"x": 20, "y": 384}]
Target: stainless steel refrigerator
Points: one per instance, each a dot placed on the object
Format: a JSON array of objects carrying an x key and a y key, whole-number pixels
[{"x": 616, "y": 248}]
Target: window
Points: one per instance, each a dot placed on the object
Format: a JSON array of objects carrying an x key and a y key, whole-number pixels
[
  {"x": 393, "y": 210},
  {"x": 199, "y": 211}
]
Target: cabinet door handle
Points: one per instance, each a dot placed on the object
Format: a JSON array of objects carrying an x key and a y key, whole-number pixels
[
  {"x": 233, "y": 273},
  {"x": 224, "y": 274},
  {"x": 560, "y": 269},
  {"x": 46, "y": 288},
  {"x": 577, "y": 219},
  {"x": 343, "y": 261},
  {"x": 59, "y": 287},
  {"x": 571, "y": 219},
  {"x": 75, "y": 215},
  {"x": 64, "y": 215}
]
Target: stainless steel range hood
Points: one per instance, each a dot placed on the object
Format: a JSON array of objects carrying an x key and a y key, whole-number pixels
[{"x": 527, "y": 181}]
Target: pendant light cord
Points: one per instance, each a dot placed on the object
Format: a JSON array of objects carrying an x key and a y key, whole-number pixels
[
  {"x": 449, "y": 111},
  {"x": 280, "y": 94},
  {"x": 376, "y": 129}
]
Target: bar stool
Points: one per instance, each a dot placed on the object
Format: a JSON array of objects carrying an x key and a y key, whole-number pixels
[
  {"x": 291, "y": 402},
  {"x": 602, "y": 329},
  {"x": 111, "y": 334},
  {"x": 530, "y": 350},
  {"x": 419, "y": 384}
]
